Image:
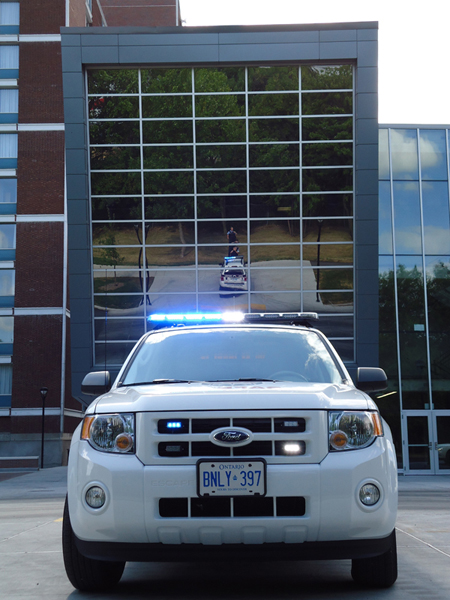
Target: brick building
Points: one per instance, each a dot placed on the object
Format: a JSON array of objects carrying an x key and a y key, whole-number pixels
[{"x": 34, "y": 300}]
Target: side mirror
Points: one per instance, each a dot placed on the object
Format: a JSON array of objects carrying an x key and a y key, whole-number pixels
[
  {"x": 371, "y": 379},
  {"x": 96, "y": 383}
]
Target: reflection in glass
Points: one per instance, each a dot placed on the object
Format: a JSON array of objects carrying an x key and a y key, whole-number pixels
[
  {"x": 267, "y": 280},
  {"x": 166, "y": 207},
  {"x": 214, "y": 255},
  {"x": 383, "y": 154},
  {"x": 328, "y": 302},
  {"x": 274, "y": 130},
  {"x": 327, "y": 279},
  {"x": 433, "y": 155},
  {"x": 220, "y": 79},
  {"x": 274, "y": 180},
  {"x": 278, "y": 232},
  {"x": 119, "y": 305},
  {"x": 407, "y": 234},
  {"x": 266, "y": 206},
  {"x": 418, "y": 440},
  {"x": 386, "y": 301},
  {"x": 328, "y": 230},
  {"x": 328, "y": 205},
  {"x": 404, "y": 154},
  {"x": 115, "y": 157},
  {"x": 327, "y": 180},
  {"x": 262, "y": 79},
  {"x": 116, "y": 209},
  {"x": 166, "y": 81},
  {"x": 345, "y": 349},
  {"x": 340, "y": 326},
  {"x": 113, "y": 107},
  {"x": 221, "y": 157},
  {"x": 124, "y": 282},
  {"x": 327, "y": 128},
  {"x": 223, "y": 301},
  {"x": 226, "y": 105},
  {"x": 119, "y": 329},
  {"x": 328, "y": 254},
  {"x": 436, "y": 224},
  {"x": 7, "y": 236},
  {"x": 114, "y": 132},
  {"x": 168, "y": 157},
  {"x": 220, "y": 130},
  {"x": 221, "y": 182},
  {"x": 167, "y": 132},
  {"x": 116, "y": 234},
  {"x": 384, "y": 218},
  {"x": 273, "y": 104},
  {"x": 115, "y": 184},
  {"x": 226, "y": 207},
  {"x": 170, "y": 182},
  {"x": 327, "y": 103},
  {"x": 112, "y": 353},
  {"x": 171, "y": 281},
  {"x": 6, "y": 330},
  {"x": 274, "y": 155},
  {"x": 172, "y": 303},
  {"x": 170, "y": 233},
  {"x": 443, "y": 442},
  {"x": 116, "y": 257},
  {"x": 7, "y": 287},
  {"x": 289, "y": 254},
  {"x": 113, "y": 81},
  {"x": 316, "y": 77},
  {"x": 215, "y": 232},
  {"x": 8, "y": 190},
  {"x": 323, "y": 155},
  {"x": 166, "y": 106},
  {"x": 172, "y": 256}
]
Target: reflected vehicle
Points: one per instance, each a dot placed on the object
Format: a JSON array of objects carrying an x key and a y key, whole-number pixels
[
  {"x": 444, "y": 453},
  {"x": 233, "y": 275},
  {"x": 234, "y": 436}
]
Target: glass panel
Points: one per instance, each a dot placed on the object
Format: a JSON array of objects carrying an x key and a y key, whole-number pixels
[
  {"x": 117, "y": 257},
  {"x": 223, "y": 130},
  {"x": 113, "y": 81},
  {"x": 274, "y": 155},
  {"x": 273, "y": 104},
  {"x": 327, "y": 128},
  {"x": 7, "y": 236},
  {"x": 405, "y": 163},
  {"x": 231, "y": 207},
  {"x": 116, "y": 209},
  {"x": 170, "y": 233},
  {"x": 324, "y": 78},
  {"x": 324, "y": 180},
  {"x": 119, "y": 329},
  {"x": 279, "y": 180},
  {"x": 267, "y": 280},
  {"x": 443, "y": 442},
  {"x": 385, "y": 218},
  {"x": 436, "y": 224},
  {"x": 327, "y": 230},
  {"x": 221, "y": 157},
  {"x": 226, "y": 105},
  {"x": 171, "y": 280},
  {"x": 210, "y": 182},
  {"x": 272, "y": 78},
  {"x": 418, "y": 439},
  {"x": 408, "y": 239},
  {"x": 115, "y": 157},
  {"x": 170, "y": 182},
  {"x": 172, "y": 303},
  {"x": 6, "y": 330},
  {"x": 327, "y": 103},
  {"x": 168, "y": 107},
  {"x": 113, "y": 107},
  {"x": 115, "y": 184},
  {"x": 345, "y": 349},
  {"x": 123, "y": 282},
  {"x": 341, "y": 326},
  {"x": 275, "y": 302},
  {"x": 167, "y": 207},
  {"x": 329, "y": 254},
  {"x": 8, "y": 190},
  {"x": 274, "y": 130},
  {"x": 275, "y": 206},
  {"x": 166, "y": 81},
  {"x": 289, "y": 254},
  {"x": 328, "y": 205},
  {"x": 327, "y": 279},
  {"x": 180, "y": 157},
  {"x": 217, "y": 232},
  {"x": 7, "y": 282},
  {"x": 167, "y": 132},
  {"x": 383, "y": 154},
  {"x": 173, "y": 256},
  {"x": 112, "y": 354},
  {"x": 209, "y": 280},
  {"x": 213, "y": 255},
  {"x": 323, "y": 155},
  {"x": 225, "y": 79},
  {"x": 433, "y": 156},
  {"x": 9, "y": 100},
  {"x": 114, "y": 132},
  {"x": 123, "y": 305},
  {"x": 278, "y": 232},
  {"x": 335, "y": 302}
]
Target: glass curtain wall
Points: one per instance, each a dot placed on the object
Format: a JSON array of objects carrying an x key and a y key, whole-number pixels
[
  {"x": 189, "y": 166},
  {"x": 414, "y": 267}
]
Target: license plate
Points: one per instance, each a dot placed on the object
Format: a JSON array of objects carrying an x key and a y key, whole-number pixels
[{"x": 231, "y": 477}]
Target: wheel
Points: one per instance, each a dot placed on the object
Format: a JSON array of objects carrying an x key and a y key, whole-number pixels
[
  {"x": 293, "y": 374},
  {"x": 87, "y": 574},
  {"x": 378, "y": 571}
]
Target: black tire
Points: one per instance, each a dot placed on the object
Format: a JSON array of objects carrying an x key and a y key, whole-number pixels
[
  {"x": 87, "y": 574},
  {"x": 378, "y": 571}
]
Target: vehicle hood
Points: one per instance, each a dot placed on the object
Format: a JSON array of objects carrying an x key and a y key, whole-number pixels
[{"x": 232, "y": 396}]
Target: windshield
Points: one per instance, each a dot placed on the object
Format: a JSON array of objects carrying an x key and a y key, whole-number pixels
[{"x": 232, "y": 354}]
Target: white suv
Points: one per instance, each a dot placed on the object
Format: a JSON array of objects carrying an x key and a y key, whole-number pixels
[{"x": 244, "y": 440}]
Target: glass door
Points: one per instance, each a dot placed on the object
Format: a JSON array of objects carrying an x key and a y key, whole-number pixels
[
  {"x": 442, "y": 441},
  {"x": 419, "y": 456}
]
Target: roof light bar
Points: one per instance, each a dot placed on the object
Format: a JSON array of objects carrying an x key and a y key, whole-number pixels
[{"x": 232, "y": 317}]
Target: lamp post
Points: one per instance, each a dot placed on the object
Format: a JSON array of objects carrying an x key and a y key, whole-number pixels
[{"x": 44, "y": 392}]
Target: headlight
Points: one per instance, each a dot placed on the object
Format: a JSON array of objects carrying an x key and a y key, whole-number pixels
[
  {"x": 109, "y": 433},
  {"x": 351, "y": 430}
]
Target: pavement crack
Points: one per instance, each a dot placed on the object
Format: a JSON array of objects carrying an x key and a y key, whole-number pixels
[{"x": 422, "y": 542}]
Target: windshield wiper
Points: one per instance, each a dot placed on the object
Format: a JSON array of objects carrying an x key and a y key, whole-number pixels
[
  {"x": 156, "y": 382},
  {"x": 240, "y": 379}
]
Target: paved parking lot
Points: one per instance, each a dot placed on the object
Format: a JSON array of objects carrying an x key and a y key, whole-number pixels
[{"x": 31, "y": 565}]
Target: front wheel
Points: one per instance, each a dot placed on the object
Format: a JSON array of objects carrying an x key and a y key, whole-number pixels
[
  {"x": 87, "y": 574},
  {"x": 378, "y": 571}
]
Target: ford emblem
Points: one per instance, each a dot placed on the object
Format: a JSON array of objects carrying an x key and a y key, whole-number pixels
[{"x": 231, "y": 437}]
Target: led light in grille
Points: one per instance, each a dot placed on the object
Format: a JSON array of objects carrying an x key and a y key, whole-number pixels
[
  {"x": 173, "y": 426},
  {"x": 290, "y": 448}
]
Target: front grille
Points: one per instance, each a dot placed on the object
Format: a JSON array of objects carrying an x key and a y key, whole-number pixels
[{"x": 262, "y": 506}]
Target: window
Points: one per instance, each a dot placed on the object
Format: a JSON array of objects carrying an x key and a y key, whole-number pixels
[
  {"x": 9, "y": 62},
  {"x": 8, "y": 150},
  {"x": 5, "y": 385},
  {"x": 8, "y": 196},
  {"x": 9, "y": 106},
  {"x": 9, "y": 17}
]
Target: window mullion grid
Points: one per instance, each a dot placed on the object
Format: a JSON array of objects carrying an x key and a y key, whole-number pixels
[
  {"x": 247, "y": 159},
  {"x": 143, "y": 277},
  {"x": 300, "y": 162},
  {"x": 194, "y": 164}
]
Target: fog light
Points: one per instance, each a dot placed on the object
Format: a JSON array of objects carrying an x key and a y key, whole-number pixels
[
  {"x": 95, "y": 497},
  {"x": 369, "y": 494}
]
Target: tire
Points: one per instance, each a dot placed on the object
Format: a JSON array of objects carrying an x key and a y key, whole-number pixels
[
  {"x": 378, "y": 571},
  {"x": 87, "y": 574}
]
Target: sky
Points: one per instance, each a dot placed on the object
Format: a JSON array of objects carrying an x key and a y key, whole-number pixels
[{"x": 413, "y": 44}]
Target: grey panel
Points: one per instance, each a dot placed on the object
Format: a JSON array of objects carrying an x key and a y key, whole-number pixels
[
  {"x": 339, "y": 35},
  {"x": 76, "y": 161},
  {"x": 369, "y": 331},
  {"x": 73, "y": 84},
  {"x": 80, "y": 335},
  {"x": 81, "y": 310},
  {"x": 366, "y": 181},
  {"x": 71, "y": 58},
  {"x": 366, "y": 232},
  {"x": 269, "y": 37},
  {"x": 368, "y": 305},
  {"x": 74, "y": 110},
  {"x": 366, "y": 131},
  {"x": 80, "y": 261},
  {"x": 78, "y": 237},
  {"x": 338, "y": 50},
  {"x": 367, "y": 259},
  {"x": 367, "y": 80},
  {"x": 270, "y": 52},
  {"x": 70, "y": 39},
  {"x": 168, "y": 39},
  {"x": 75, "y": 136},
  {"x": 100, "y": 40},
  {"x": 77, "y": 187},
  {"x": 168, "y": 54},
  {"x": 367, "y": 207},
  {"x": 100, "y": 55},
  {"x": 367, "y": 54},
  {"x": 367, "y": 34},
  {"x": 367, "y": 354},
  {"x": 78, "y": 212},
  {"x": 367, "y": 156},
  {"x": 80, "y": 286},
  {"x": 367, "y": 106}
]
